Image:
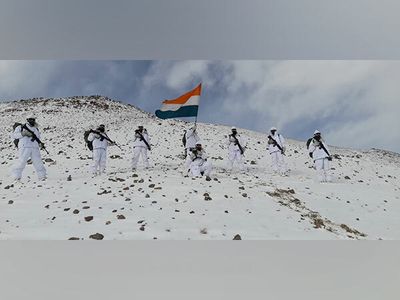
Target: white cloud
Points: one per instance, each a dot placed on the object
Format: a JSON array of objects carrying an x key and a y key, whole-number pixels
[
  {"x": 355, "y": 103},
  {"x": 24, "y": 78}
]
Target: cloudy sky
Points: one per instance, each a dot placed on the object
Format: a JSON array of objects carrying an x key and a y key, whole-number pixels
[{"x": 354, "y": 103}]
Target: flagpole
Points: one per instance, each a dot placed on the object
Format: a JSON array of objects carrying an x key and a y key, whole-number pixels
[{"x": 195, "y": 120}]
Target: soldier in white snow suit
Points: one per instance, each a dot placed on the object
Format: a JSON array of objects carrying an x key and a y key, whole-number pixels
[
  {"x": 100, "y": 143},
  {"x": 236, "y": 148},
  {"x": 277, "y": 148},
  {"x": 28, "y": 148},
  {"x": 199, "y": 165},
  {"x": 191, "y": 138},
  {"x": 141, "y": 144},
  {"x": 319, "y": 152}
]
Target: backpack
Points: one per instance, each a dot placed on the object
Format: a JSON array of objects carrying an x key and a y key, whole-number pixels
[
  {"x": 16, "y": 141},
  {"x": 184, "y": 139},
  {"x": 309, "y": 142},
  {"x": 88, "y": 143}
]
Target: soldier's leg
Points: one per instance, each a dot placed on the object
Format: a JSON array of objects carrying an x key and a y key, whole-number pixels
[
  {"x": 145, "y": 158},
  {"x": 23, "y": 156},
  {"x": 96, "y": 161},
  {"x": 135, "y": 157},
  {"x": 103, "y": 160},
  {"x": 38, "y": 164},
  {"x": 319, "y": 168}
]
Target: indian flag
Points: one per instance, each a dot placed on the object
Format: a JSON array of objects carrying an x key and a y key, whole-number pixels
[{"x": 186, "y": 105}]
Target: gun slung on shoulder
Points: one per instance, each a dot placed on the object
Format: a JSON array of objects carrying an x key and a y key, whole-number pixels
[{"x": 34, "y": 137}]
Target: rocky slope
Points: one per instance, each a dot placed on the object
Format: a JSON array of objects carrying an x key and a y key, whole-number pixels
[{"x": 160, "y": 203}]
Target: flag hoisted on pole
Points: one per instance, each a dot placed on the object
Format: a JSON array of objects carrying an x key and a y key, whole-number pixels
[{"x": 186, "y": 105}]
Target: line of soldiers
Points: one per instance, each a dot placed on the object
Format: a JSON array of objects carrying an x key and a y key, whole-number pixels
[{"x": 196, "y": 161}]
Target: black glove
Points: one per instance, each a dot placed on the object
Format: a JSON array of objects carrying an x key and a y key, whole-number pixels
[
  {"x": 330, "y": 158},
  {"x": 310, "y": 154}
]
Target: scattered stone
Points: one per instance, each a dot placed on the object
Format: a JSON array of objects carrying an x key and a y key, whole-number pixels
[
  {"x": 147, "y": 196},
  {"x": 73, "y": 238},
  {"x": 69, "y": 178},
  {"x": 203, "y": 231},
  {"x": 88, "y": 218},
  {"x": 207, "y": 197},
  {"x": 104, "y": 192},
  {"x": 75, "y": 211},
  {"x": 152, "y": 185},
  {"x": 346, "y": 177},
  {"x": 237, "y": 238},
  {"x": 10, "y": 202},
  {"x": 108, "y": 222},
  {"x": 121, "y": 217},
  {"x": 96, "y": 236}
]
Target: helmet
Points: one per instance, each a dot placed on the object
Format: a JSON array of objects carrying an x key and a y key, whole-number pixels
[
  {"x": 273, "y": 128},
  {"x": 316, "y": 132}
]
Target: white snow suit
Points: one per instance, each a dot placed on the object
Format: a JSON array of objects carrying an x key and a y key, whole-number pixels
[
  {"x": 140, "y": 149},
  {"x": 28, "y": 149},
  {"x": 234, "y": 153},
  {"x": 191, "y": 139},
  {"x": 199, "y": 163},
  {"x": 99, "y": 152},
  {"x": 278, "y": 162},
  {"x": 321, "y": 162}
]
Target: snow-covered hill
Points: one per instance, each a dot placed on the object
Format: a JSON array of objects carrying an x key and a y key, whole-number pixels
[{"x": 160, "y": 203}]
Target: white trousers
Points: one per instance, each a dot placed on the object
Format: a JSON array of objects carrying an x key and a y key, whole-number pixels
[
  {"x": 196, "y": 169},
  {"x": 278, "y": 162},
  {"x": 323, "y": 170},
  {"x": 233, "y": 156},
  {"x": 24, "y": 154},
  {"x": 137, "y": 153},
  {"x": 99, "y": 160}
]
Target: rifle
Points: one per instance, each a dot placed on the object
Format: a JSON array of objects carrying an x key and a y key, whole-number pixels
[
  {"x": 321, "y": 146},
  {"x": 105, "y": 136},
  {"x": 143, "y": 139},
  {"x": 35, "y": 138},
  {"x": 237, "y": 143},
  {"x": 276, "y": 144}
]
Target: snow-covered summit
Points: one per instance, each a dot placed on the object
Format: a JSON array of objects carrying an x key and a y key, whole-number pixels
[{"x": 362, "y": 203}]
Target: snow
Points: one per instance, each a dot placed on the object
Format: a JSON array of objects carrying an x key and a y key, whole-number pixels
[{"x": 160, "y": 203}]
